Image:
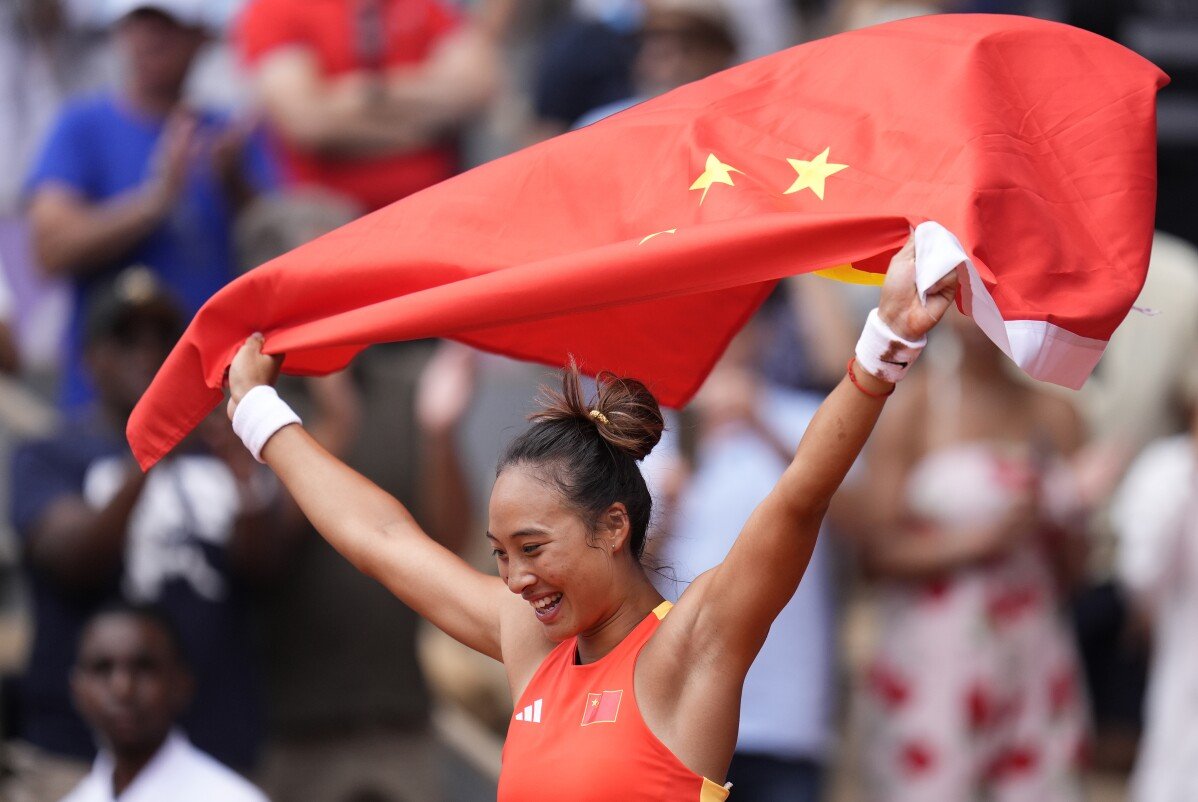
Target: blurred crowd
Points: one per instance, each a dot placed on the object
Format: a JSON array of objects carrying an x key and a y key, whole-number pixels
[{"x": 1001, "y": 605}]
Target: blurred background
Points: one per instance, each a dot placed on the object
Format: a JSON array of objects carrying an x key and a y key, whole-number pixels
[{"x": 1002, "y": 603}]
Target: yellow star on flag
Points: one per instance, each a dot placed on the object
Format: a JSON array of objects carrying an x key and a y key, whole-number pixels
[
  {"x": 716, "y": 172},
  {"x": 658, "y": 234},
  {"x": 813, "y": 173}
]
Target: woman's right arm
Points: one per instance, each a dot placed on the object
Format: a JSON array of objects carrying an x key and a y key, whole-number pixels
[{"x": 372, "y": 529}]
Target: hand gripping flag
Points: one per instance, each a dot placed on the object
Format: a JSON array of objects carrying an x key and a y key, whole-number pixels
[{"x": 642, "y": 243}]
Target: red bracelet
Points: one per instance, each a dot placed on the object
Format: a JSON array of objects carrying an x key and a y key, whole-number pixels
[{"x": 849, "y": 370}]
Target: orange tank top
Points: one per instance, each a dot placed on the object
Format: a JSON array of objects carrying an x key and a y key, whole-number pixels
[{"x": 577, "y": 734}]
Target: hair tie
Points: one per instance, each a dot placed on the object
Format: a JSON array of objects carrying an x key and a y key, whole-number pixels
[{"x": 599, "y": 416}]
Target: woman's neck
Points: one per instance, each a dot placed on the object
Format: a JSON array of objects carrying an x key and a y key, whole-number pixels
[{"x": 598, "y": 641}]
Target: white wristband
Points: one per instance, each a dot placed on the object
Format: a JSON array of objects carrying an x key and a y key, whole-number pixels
[
  {"x": 884, "y": 354},
  {"x": 260, "y": 414}
]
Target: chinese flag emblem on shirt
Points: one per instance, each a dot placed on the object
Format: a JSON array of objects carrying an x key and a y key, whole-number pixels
[
  {"x": 642, "y": 243},
  {"x": 602, "y": 707}
]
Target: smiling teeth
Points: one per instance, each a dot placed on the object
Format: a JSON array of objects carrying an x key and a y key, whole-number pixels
[{"x": 547, "y": 601}]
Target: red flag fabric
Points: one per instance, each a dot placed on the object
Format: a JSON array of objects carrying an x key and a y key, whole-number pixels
[{"x": 642, "y": 243}]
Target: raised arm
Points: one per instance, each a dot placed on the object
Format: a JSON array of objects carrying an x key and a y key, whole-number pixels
[
  {"x": 371, "y": 528},
  {"x": 739, "y": 599},
  {"x": 443, "y": 397}
]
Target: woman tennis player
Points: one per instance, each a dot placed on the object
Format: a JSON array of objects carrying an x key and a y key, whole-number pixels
[{"x": 618, "y": 694}]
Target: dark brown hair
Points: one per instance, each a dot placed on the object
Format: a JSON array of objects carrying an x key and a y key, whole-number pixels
[{"x": 591, "y": 449}]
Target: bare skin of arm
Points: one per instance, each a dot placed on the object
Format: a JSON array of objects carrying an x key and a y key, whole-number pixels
[
  {"x": 907, "y": 553},
  {"x": 360, "y": 115},
  {"x": 262, "y": 535},
  {"x": 82, "y": 547},
  {"x": 379, "y": 536},
  {"x": 695, "y": 666},
  {"x": 331, "y": 117},
  {"x": 73, "y": 236},
  {"x": 442, "y": 400},
  {"x": 265, "y": 536}
]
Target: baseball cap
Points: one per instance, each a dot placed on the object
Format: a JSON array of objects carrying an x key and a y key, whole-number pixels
[
  {"x": 189, "y": 13},
  {"x": 134, "y": 297}
]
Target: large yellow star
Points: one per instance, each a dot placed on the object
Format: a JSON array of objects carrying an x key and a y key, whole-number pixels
[
  {"x": 813, "y": 173},
  {"x": 716, "y": 173}
]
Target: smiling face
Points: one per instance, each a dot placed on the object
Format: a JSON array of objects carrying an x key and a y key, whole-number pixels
[{"x": 549, "y": 555}]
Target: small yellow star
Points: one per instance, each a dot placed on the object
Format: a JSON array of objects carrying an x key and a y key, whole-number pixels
[
  {"x": 594, "y": 703},
  {"x": 813, "y": 173},
  {"x": 716, "y": 172}
]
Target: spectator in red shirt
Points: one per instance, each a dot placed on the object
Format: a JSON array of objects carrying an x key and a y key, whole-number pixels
[{"x": 365, "y": 95}]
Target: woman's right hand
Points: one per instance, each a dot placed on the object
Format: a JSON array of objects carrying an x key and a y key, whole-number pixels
[{"x": 250, "y": 368}]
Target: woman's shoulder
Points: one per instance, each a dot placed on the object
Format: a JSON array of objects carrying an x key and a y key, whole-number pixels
[{"x": 680, "y": 626}]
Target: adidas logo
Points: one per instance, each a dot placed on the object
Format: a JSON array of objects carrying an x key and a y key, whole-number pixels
[{"x": 531, "y": 713}]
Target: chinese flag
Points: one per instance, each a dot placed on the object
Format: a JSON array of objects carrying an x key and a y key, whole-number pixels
[
  {"x": 602, "y": 707},
  {"x": 642, "y": 243}
]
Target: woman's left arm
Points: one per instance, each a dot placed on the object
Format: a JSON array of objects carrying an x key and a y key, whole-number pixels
[{"x": 739, "y": 599}]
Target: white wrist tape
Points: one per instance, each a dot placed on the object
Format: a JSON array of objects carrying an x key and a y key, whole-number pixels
[
  {"x": 884, "y": 354},
  {"x": 260, "y": 414}
]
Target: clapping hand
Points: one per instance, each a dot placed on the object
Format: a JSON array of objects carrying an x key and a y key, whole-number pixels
[{"x": 446, "y": 388}]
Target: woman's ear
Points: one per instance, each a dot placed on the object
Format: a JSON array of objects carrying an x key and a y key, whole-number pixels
[{"x": 616, "y": 526}]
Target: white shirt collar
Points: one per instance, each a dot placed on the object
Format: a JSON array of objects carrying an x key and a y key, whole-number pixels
[{"x": 159, "y": 766}]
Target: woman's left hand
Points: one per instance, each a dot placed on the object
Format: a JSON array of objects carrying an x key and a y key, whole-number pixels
[
  {"x": 249, "y": 369},
  {"x": 900, "y": 307}
]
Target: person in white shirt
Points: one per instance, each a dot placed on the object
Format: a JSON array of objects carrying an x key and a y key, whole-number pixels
[
  {"x": 1155, "y": 514},
  {"x": 130, "y": 683}
]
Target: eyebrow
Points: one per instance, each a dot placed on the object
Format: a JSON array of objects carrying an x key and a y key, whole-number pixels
[{"x": 532, "y": 532}]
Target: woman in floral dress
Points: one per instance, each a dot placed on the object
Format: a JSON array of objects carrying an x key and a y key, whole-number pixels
[{"x": 973, "y": 691}]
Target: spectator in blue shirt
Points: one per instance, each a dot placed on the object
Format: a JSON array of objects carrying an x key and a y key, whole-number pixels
[{"x": 135, "y": 176}]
